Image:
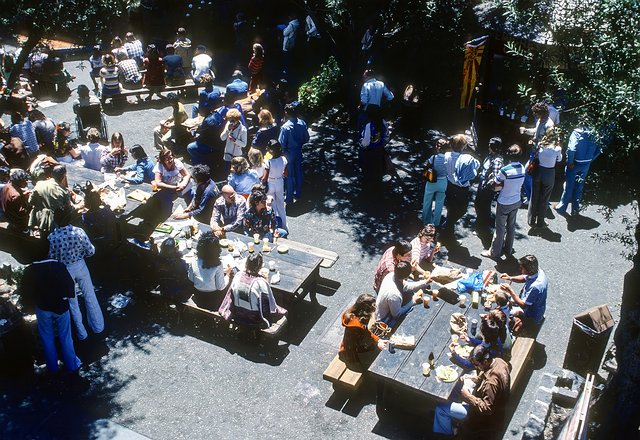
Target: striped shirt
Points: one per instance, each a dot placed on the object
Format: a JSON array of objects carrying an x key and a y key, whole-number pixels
[
  {"x": 255, "y": 65},
  {"x": 461, "y": 168},
  {"x": 109, "y": 75},
  {"x": 512, "y": 178},
  {"x": 437, "y": 160}
]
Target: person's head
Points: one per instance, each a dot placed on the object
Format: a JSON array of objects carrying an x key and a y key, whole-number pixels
[
  {"x": 402, "y": 251},
  {"x": 498, "y": 316},
  {"x": 137, "y": 152},
  {"x": 36, "y": 115},
  {"x": 181, "y": 32},
  {"x": 403, "y": 270},
  {"x": 368, "y": 74},
  {"x": 550, "y": 137},
  {"x": 254, "y": 263},
  {"x": 540, "y": 110},
  {"x": 63, "y": 130},
  {"x": 495, "y": 145},
  {"x": 265, "y": 118},
  {"x": 291, "y": 111},
  {"x": 427, "y": 234},
  {"x": 513, "y": 153},
  {"x": 152, "y": 51},
  {"x": 239, "y": 165},
  {"x": 364, "y": 306},
  {"x": 490, "y": 331},
  {"x": 208, "y": 249},
  {"x": 233, "y": 116},
  {"x": 274, "y": 148},
  {"x": 172, "y": 97},
  {"x": 83, "y": 91},
  {"x": 108, "y": 60},
  {"x": 481, "y": 357},
  {"x": 130, "y": 37},
  {"x": 255, "y": 157},
  {"x": 200, "y": 48},
  {"x": 122, "y": 56},
  {"x": 165, "y": 157},
  {"x": 116, "y": 42},
  {"x": 95, "y": 52},
  {"x": 258, "y": 50},
  {"x": 207, "y": 80},
  {"x": 19, "y": 178},
  {"x": 62, "y": 217},
  {"x": 228, "y": 194},
  {"x": 459, "y": 142},
  {"x": 169, "y": 248},
  {"x": 502, "y": 299},
  {"x": 92, "y": 200},
  {"x": 59, "y": 173},
  {"x": 16, "y": 117},
  {"x": 93, "y": 135},
  {"x": 237, "y": 74},
  {"x": 528, "y": 265},
  {"x": 258, "y": 199},
  {"x": 117, "y": 141},
  {"x": 441, "y": 144},
  {"x": 201, "y": 173},
  {"x": 169, "y": 49},
  {"x": 5, "y": 173}
]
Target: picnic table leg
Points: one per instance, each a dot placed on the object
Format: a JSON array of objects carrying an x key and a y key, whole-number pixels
[{"x": 381, "y": 405}]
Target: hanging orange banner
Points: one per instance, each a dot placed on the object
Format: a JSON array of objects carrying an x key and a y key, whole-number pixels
[{"x": 472, "y": 58}]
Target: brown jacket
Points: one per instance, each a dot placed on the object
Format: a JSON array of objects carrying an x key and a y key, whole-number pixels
[{"x": 490, "y": 398}]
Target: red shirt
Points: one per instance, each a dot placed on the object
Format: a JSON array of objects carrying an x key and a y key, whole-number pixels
[{"x": 385, "y": 265}]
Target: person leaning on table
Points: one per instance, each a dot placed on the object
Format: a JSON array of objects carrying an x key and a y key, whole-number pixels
[
  {"x": 532, "y": 301},
  {"x": 228, "y": 212},
  {"x": 390, "y": 297},
  {"x": 483, "y": 410},
  {"x": 358, "y": 340}
]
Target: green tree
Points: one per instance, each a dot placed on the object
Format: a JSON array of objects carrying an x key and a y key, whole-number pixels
[{"x": 83, "y": 20}]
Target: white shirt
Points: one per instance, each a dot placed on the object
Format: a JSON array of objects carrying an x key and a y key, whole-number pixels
[
  {"x": 91, "y": 154},
  {"x": 207, "y": 280},
  {"x": 549, "y": 155},
  {"x": 170, "y": 177},
  {"x": 233, "y": 148},
  {"x": 276, "y": 167},
  {"x": 201, "y": 64}
]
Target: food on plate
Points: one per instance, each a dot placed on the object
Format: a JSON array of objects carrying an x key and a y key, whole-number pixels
[
  {"x": 463, "y": 350},
  {"x": 446, "y": 374},
  {"x": 224, "y": 242},
  {"x": 283, "y": 249}
]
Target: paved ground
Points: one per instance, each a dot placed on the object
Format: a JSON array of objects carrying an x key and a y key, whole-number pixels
[{"x": 191, "y": 380}]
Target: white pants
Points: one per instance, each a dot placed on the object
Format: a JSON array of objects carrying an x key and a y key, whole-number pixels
[
  {"x": 80, "y": 274},
  {"x": 276, "y": 190}
]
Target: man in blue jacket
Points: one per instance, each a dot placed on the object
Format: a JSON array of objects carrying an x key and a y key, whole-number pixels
[
  {"x": 293, "y": 135},
  {"x": 582, "y": 150}
]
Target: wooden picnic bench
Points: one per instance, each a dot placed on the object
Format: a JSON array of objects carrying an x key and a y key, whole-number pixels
[
  {"x": 329, "y": 258},
  {"x": 189, "y": 87},
  {"x": 520, "y": 359},
  {"x": 343, "y": 375}
]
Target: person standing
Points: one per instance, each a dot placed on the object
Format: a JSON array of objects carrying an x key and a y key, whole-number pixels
[
  {"x": 511, "y": 178},
  {"x": 274, "y": 174},
  {"x": 14, "y": 201},
  {"x": 289, "y": 36},
  {"x": 435, "y": 190},
  {"x": 293, "y": 135},
  {"x": 256, "y": 67},
  {"x": 373, "y": 91},
  {"x": 48, "y": 196},
  {"x": 549, "y": 154},
  {"x": 461, "y": 168},
  {"x": 543, "y": 123},
  {"x": 581, "y": 151},
  {"x": 486, "y": 193},
  {"x": 48, "y": 286},
  {"x": 234, "y": 135},
  {"x": 485, "y": 407},
  {"x": 375, "y": 135},
  {"x": 70, "y": 245}
]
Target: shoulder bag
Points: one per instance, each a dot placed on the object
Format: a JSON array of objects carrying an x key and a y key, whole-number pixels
[
  {"x": 429, "y": 173},
  {"x": 533, "y": 164}
]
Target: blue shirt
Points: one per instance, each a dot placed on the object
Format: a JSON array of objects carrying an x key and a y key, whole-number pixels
[
  {"x": 207, "y": 99},
  {"x": 204, "y": 197},
  {"x": 373, "y": 91},
  {"x": 534, "y": 294},
  {"x": 143, "y": 169},
  {"x": 461, "y": 168},
  {"x": 437, "y": 160},
  {"x": 242, "y": 183},
  {"x": 582, "y": 147},
  {"x": 237, "y": 88},
  {"x": 173, "y": 65},
  {"x": 511, "y": 177},
  {"x": 293, "y": 135},
  {"x": 264, "y": 135},
  {"x": 27, "y": 134}
]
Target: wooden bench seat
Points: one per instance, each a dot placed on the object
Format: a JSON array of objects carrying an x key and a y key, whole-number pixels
[
  {"x": 328, "y": 257},
  {"x": 188, "y": 86},
  {"x": 520, "y": 358},
  {"x": 340, "y": 374}
]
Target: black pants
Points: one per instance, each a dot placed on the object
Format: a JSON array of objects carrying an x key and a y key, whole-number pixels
[
  {"x": 484, "y": 198},
  {"x": 456, "y": 201}
]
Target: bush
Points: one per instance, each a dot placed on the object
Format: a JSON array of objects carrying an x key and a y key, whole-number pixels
[{"x": 317, "y": 92}]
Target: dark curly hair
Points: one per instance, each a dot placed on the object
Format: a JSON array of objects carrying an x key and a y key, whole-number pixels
[{"x": 208, "y": 249}]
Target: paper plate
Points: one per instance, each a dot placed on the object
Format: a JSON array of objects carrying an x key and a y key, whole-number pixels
[
  {"x": 463, "y": 350},
  {"x": 283, "y": 249},
  {"x": 446, "y": 374},
  {"x": 224, "y": 242}
]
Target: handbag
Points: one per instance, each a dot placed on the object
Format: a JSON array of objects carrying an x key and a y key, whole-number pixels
[
  {"x": 429, "y": 173},
  {"x": 380, "y": 329},
  {"x": 533, "y": 164}
]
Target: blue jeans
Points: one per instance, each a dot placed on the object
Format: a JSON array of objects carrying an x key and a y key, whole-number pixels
[
  {"x": 573, "y": 186},
  {"x": 80, "y": 274},
  {"x": 50, "y": 323},
  {"x": 293, "y": 181},
  {"x": 527, "y": 186},
  {"x": 433, "y": 191},
  {"x": 445, "y": 412},
  {"x": 199, "y": 153}
]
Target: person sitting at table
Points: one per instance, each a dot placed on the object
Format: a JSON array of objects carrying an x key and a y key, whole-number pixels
[
  {"x": 241, "y": 177},
  {"x": 401, "y": 251},
  {"x": 237, "y": 88},
  {"x": 228, "y": 212},
  {"x": 259, "y": 218},
  {"x": 393, "y": 290},
  {"x": 143, "y": 166},
  {"x": 235, "y": 137},
  {"x": 64, "y": 149},
  {"x": 207, "y": 136},
  {"x": 48, "y": 196},
  {"x": 208, "y": 99},
  {"x": 114, "y": 157},
  {"x": 207, "y": 274},
  {"x": 171, "y": 177},
  {"x": 203, "y": 196},
  {"x": 16, "y": 154},
  {"x": 358, "y": 339},
  {"x": 532, "y": 301},
  {"x": 174, "y": 69},
  {"x": 423, "y": 247},
  {"x": 250, "y": 299},
  {"x": 172, "y": 272},
  {"x": 268, "y": 131},
  {"x": 489, "y": 336},
  {"x": 484, "y": 409},
  {"x": 93, "y": 150},
  {"x": 502, "y": 301},
  {"x": 45, "y": 129},
  {"x": 14, "y": 201},
  {"x": 171, "y": 133}
]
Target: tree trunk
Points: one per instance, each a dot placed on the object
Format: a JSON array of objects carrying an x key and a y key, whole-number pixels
[{"x": 32, "y": 41}]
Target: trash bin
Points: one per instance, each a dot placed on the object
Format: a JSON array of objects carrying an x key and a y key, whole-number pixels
[{"x": 588, "y": 340}]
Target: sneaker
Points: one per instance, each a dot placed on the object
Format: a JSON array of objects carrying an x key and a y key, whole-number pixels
[{"x": 487, "y": 254}]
